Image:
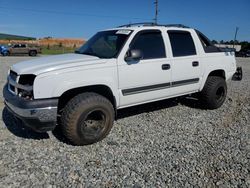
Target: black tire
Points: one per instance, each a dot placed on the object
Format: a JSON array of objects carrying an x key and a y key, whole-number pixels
[
  {"x": 6, "y": 54},
  {"x": 33, "y": 53},
  {"x": 240, "y": 74},
  {"x": 87, "y": 118},
  {"x": 214, "y": 92}
]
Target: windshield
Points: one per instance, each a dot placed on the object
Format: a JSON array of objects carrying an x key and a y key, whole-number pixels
[{"x": 105, "y": 44}]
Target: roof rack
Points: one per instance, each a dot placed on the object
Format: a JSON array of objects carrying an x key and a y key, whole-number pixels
[
  {"x": 138, "y": 24},
  {"x": 175, "y": 25},
  {"x": 153, "y": 24}
]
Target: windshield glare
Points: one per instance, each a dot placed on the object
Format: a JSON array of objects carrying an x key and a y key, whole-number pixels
[{"x": 105, "y": 44}]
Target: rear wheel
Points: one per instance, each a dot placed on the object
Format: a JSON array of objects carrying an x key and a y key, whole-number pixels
[
  {"x": 87, "y": 118},
  {"x": 214, "y": 92},
  {"x": 32, "y": 53}
]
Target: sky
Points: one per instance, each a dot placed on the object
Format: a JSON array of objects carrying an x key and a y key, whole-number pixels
[{"x": 217, "y": 19}]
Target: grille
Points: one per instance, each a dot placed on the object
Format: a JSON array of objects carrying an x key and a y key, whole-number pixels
[
  {"x": 13, "y": 75},
  {"x": 12, "y": 88}
]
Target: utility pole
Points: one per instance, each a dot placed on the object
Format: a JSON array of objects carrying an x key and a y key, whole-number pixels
[
  {"x": 236, "y": 32},
  {"x": 156, "y": 11}
]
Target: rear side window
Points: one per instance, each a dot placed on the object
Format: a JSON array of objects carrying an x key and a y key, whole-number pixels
[
  {"x": 182, "y": 43},
  {"x": 207, "y": 44},
  {"x": 150, "y": 43}
]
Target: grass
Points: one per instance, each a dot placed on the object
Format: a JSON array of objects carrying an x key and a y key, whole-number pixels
[{"x": 57, "y": 50}]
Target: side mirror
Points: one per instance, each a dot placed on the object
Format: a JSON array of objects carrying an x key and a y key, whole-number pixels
[{"x": 133, "y": 55}]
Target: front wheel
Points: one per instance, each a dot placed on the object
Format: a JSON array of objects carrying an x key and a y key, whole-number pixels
[
  {"x": 32, "y": 53},
  {"x": 6, "y": 53},
  {"x": 214, "y": 92},
  {"x": 87, "y": 118}
]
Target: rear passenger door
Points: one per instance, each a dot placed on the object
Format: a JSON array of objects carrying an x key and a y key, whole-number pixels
[{"x": 186, "y": 68}]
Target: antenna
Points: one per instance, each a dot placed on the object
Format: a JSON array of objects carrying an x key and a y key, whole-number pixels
[
  {"x": 156, "y": 11},
  {"x": 236, "y": 32}
]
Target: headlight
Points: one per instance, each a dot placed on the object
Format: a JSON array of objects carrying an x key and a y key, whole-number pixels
[
  {"x": 27, "y": 79},
  {"x": 21, "y": 85},
  {"x": 27, "y": 82}
]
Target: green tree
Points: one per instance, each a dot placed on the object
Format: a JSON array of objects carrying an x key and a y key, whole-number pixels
[
  {"x": 245, "y": 45},
  {"x": 236, "y": 42},
  {"x": 214, "y": 42}
]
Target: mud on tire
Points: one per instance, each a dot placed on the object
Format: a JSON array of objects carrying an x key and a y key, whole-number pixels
[
  {"x": 214, "y": 92},
  {"x": 87, "y": 118}
]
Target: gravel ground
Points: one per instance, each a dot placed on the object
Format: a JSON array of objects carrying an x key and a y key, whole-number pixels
[{"x": 171, "y": 143}]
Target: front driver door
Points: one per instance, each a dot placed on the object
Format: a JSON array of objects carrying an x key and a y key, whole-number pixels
[{"x": 149, "y": 78}]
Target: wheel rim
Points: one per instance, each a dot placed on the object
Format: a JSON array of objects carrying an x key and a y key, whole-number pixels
[
  {"x": 92, "y": 125},
  {"x": 220, "y": 94}
]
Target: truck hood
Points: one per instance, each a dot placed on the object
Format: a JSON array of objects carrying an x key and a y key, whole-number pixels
[{"x": 55, "y": 62}]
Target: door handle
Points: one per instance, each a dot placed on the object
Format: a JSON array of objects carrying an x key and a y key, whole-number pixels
[
  {"x": 195, "y": 63},
  {"x": 165, "y": 66}
]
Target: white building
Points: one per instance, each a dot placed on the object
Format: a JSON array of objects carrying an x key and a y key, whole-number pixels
[{"x": 236, "y": 46}]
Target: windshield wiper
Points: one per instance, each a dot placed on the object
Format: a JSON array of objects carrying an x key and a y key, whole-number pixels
[
  {"x": 85, "y": 53},
  {"x": 93, "y": 54},
  {"x": 88, "y": 53}
]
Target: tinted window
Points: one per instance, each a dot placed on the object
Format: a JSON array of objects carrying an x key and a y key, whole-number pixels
[
  {"x": 105, "y": 44},
  {"x": 182, "y": 43},
  {"x": 207, "y": 44},
  {"x": 150, "y": 43}
]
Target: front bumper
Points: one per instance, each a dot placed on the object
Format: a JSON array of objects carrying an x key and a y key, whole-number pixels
[{"x": 40, "y": 115}]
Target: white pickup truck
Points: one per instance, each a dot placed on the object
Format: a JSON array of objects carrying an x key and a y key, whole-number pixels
[{"x": 117, "y": 68}]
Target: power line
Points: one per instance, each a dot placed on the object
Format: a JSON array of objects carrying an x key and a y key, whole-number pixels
[{"x": 72, "y": 13}]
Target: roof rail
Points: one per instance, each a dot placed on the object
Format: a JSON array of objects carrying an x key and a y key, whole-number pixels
[
  {"x": 175, "y": 25},
  {"x": 138, "y": 24},
  {"x": 153, "y": 24}
]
